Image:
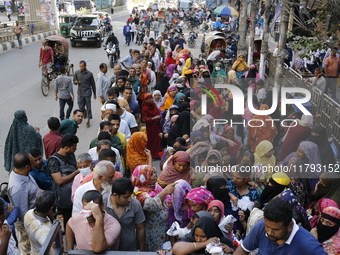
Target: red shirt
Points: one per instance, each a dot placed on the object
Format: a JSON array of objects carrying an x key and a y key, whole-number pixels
[
  {"x": 46, "y": 56},
  {"x": 52, "y": 141}
]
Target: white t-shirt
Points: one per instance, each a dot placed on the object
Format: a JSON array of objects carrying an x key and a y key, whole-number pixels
[
  {"x": 118, "y": 166},
  {"x": 124, "y": 128},
  {"x": 129, "y": 118},
  {"x": 261, "y": 94}
]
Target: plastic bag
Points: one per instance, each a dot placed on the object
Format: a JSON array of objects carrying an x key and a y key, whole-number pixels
[
  {"x": 176, "y": 230},
  {"x": 228, "y": 219}
]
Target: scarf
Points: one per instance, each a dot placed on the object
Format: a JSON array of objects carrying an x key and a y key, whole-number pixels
[{"x": 135, "y": 154}]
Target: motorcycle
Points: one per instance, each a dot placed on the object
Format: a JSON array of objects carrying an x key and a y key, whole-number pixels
[
  {"x": 140, "y": 36},
  {"x": 107, "y": 27},
  {"x": 111, "y": 52},
  {"x": 192, "y": 39}
]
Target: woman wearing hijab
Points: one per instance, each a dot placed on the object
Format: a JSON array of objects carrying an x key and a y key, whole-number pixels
[
  {"x": 264, "y": 156},
  {"x": 179, "y": 210},
  {"x": 170, "y": 71},
  {"x": 219, "y": 75},
  {"x": 21, "y": 137},
  {"x": 318, "y": 208},
  {"x": 205, "y": 232},
  {"x": 260, "y": 131},
  {"x": 179, "y": 98},
  {"x": 229, "y": 115},
  {"x": 151, "y": 116},
  {"x": 218, "y": 187},
  {"x": 169, "y": 59},
  {"x": 181, "y": 128},
  {"x": 157, "y": 98},
  {"x": 198, "y": 199},
  {"x": 232, "y": 78},
  {"x": 216, "y": 208},
  {"x": 136, "y": 152},
  {"x": 328, "y": 187},
  {"x": 295, "y": 135},
  {"x": 327, "y": 230},
  {"x": 152, "y": 198},
  {"x": 162, "y": 79},
  {"x": 228, "y": 132},
  {"x": 240, "y": 66},
  {"x": 180, "y": 65},
  {"x": 169, "y": 98},
  {"x": 178, "y": 167},
  {"x": 306, "y": 155},
  {"x": 320, "y": 138}
]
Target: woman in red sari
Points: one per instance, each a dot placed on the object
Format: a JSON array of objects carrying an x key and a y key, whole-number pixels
[{"x": 151, "y": 116}]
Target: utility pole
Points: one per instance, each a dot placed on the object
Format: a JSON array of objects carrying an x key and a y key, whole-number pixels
[
  {"x": 242, "y": 28},
  {"x": 282, "y": 52},
  {"x": 264, "y": 45},
  {"x": 251, "y": 38}
]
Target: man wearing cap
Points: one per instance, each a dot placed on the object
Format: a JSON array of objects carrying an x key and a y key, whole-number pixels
[{"x": 279, "y": 234}]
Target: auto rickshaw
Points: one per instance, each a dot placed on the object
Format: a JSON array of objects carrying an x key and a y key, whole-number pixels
[
  {"x": 214, "y": 42},
  {"x": 161, "y": 15},
  {"x": 66, "y": 22},
  {"x": 60, "y": 49}
]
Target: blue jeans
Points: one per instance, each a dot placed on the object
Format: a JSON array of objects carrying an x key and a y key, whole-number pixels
[
  {"x": 156, "y": 34},
  {"x": 62, "y": 103},
  {"x": 19, "y": 40},
  {"x": 128, "y": 39}
]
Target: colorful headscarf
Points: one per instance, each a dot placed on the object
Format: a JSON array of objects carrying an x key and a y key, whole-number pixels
[
  {"x": 169, "y": 173},
  {"x": 218, "y": 204},
  {"x": 135, "y": 151},
  {"x": 170, "y": 70},
  {"x": 168, "y": 100},
  {"x": 169, "y": 59},
  {"x": 140, "y": 179},
  {"x": 261, "y": 149},
  {"x": 199, "y": 196},
  {"x": 322, "y": 204},
  {"x": 311, "y": 152},
  {"x": 181, "y": 188},
  {"x": 177, "y": 98}
]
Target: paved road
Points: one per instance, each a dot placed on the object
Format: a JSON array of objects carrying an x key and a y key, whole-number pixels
[{"x": 21, "y": 88}]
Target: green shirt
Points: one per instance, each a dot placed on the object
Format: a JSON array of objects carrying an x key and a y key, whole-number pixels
[{"x": 68, "y": 126}]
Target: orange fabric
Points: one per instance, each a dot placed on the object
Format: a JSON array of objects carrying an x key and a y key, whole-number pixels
[
  {"x": 135, "y": 154},
  {"x": 257, "y": 134}
]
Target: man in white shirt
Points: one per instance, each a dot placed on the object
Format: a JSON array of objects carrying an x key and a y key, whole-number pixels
[
  {"x": 319, "y": 80},
  {"x": 261, "y": 91},
  {"x": 103, "y": 82},
  {"x": 258, "y": 30},
  {"x": 103, "y": 177},
  {"x": 38, "y": 221}
]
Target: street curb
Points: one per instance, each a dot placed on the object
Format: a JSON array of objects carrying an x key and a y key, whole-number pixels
[{"x": 26, "y": 40}]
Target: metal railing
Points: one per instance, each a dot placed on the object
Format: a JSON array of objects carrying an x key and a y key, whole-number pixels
[{"x": 325, "y": 109}]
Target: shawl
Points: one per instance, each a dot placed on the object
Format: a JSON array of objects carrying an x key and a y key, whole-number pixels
[
  {"x": 159, "y": 102},
  {"x": 140, "y": 179},
  {"x": 177, "y": 98},
  {"x": 239, "y": 66},
  {"x": 232, "y": 150},
  {"x": 169, "y": 173},
  {"x": 218, "y": 155},
  {"x": 169, "y": 59},
  {"x": 186, "y": 66},
  {"x": 257, "y": 134},
  {"x": 232, "y": 76},
  {"x": 322, "y": 204},
  {"x": 218, "y": 204},
  {"x": 135, "y": 150},
  {"x": 180, "y": 128},
  {"x": 168, "y": 100},
  {"x": 149, "y": 110},
  {"x": 180, "y": 67},
  {"x": 321, "y": 140},
  {"x": 21, "y": 137},
  {"x": 163, "y": 82},
  {"x": 261, "y": 149},
  {"x": 170, "y": 71},
  {"x": 181, "y": 189}
]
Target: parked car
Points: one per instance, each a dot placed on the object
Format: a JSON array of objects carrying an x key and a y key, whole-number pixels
[{"x": 87, "y": 28}]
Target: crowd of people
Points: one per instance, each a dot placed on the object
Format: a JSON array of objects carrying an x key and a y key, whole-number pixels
[{"x": 111, "y": 197}]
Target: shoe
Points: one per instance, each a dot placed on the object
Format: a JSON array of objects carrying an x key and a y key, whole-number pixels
[
  {"x": 88, "y": 124},
  {"x": 20, "y": 47}
]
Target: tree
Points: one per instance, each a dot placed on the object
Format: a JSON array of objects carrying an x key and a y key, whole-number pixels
[
  {"x": 253, "y": 10},
  {"x": 264, "y": 45},
  {"x": 242, "y": 28},
  {"x": 282, "y": 52}
]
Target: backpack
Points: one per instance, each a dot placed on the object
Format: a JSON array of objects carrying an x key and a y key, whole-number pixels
[{"x": 63, "y": 192}]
